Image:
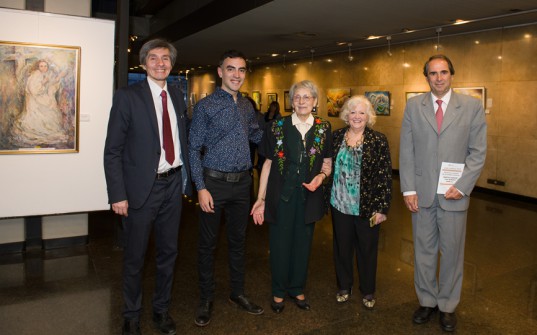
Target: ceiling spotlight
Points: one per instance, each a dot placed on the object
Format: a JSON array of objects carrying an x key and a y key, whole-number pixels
[
  {"x": 460, "y": 21},
  {"x": 312, "y": 52},
  {"x": 438, "y": 31},
  {"x": 389, "y": 38},
  {"x": 350, "y": 57}
]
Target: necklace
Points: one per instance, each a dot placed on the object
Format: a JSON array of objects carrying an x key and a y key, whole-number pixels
[{"x": 357, "y": 143}]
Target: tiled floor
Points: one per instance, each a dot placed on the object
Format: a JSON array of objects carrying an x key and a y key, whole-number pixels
[{"x": 77, "y": 290}]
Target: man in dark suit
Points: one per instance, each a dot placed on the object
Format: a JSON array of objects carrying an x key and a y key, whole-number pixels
[
  {"x": 147, "y": 170},
  {"x": 440, "y": 126}
]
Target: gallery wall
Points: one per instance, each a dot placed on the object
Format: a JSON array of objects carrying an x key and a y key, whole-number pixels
[
  {"x": 49, "y": 183},
  {"x": 502, "y": 60}
]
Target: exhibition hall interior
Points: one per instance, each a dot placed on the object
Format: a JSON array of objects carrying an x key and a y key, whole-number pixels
[{"x": 61, "y": 254}]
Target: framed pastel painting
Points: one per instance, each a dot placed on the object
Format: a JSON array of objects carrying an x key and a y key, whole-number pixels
[{"x": 39, "y": 105}]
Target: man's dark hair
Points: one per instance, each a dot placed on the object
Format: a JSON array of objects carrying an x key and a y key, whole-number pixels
[
  {"x": 156, "y": 44},
  {"x": 231, "y": 54},
  {"x": 442, "y": 57}
]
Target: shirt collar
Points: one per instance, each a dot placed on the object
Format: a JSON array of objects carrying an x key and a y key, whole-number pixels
[
  {"x": 156, "y": 89},
  {"x": 445, "y": 99},
  {"x": 296, "y": 120}
]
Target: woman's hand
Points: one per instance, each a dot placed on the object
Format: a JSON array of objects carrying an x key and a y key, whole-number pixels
[
  {"x": 379, "y": 217},
  {"x": 258, "y": 211},
  {"x": 314, "y": 183}
]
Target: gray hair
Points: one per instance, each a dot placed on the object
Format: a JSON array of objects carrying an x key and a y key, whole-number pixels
[
  {"x": 351, "y": 104},
  {"x": 157, "y": 44},
  {"x": 307, "y": 84}
]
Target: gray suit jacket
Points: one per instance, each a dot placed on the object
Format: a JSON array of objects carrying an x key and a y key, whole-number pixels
[{"x": 462, "y": 139}]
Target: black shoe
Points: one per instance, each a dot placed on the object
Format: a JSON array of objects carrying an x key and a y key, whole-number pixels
[
  {"x": 423, "y": 314},
  {"x": 448, "y": 321},
  {"x": 164, "y": 323},
  {"x": 302, "y": 304},
  {"x": 277, "y": 307},
  {"x": 203, "y": 314},
  {"x": 131, "y": 327},
  {"x": 243, "y": 302}
]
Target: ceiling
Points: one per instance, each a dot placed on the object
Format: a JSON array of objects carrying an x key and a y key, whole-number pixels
[{"x": 201, "y": 30}]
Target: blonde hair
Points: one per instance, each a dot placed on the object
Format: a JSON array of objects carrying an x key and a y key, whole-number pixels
[{"x": 354, "y": 101}]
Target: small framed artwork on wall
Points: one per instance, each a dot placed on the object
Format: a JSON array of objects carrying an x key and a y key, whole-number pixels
[
  {"x": 380, "y": 101},
  {"x": 335, "y": 98},
  {"x": 287, "y": 102},
  {"x": 256, "y": 95},
  {"x": 476, "y": 92},
  {"x": 272, "y": 97},
  {"x": 409, "y": 95}
]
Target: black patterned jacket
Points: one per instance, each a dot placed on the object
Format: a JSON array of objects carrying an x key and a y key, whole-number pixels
[{"x": 376, "y": 174}]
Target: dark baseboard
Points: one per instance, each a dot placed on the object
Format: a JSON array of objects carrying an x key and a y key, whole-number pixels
[
  {"x": 11, "y": 248},
  {"x": 483, "y": 190},
  {"x": 506, "y": 195},
  {"x": 55, "y": 243}
]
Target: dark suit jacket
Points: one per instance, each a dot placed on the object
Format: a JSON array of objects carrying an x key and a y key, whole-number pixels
[
  {"x": 376, "y": 174},
  {"x": 132, "y": 148}
]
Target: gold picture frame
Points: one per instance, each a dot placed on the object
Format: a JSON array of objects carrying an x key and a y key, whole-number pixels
[
  {"x": 256, "y": 95},
  {"x": 39, "y": 109},
  {"x": 271, "y": 97}
]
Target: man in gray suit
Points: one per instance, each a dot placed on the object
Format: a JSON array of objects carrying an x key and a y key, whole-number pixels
[{"x": 440, "y": 126}]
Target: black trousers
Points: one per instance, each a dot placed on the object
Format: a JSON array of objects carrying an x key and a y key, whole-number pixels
[
  {"x": 353, "y": 236},
  {"x": 232, "y": 198},
  {"x": 162, "y": 212}
]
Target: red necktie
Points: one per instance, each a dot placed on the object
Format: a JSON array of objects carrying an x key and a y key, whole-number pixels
[
  {"x": 167, "y": 139},
  {"x": 439, "y": 115}
]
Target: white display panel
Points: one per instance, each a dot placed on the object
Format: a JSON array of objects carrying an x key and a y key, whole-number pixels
[{"x": 42, "y": 184}]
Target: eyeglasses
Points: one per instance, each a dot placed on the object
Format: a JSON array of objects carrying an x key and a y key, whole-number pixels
[{"x": 305, "y": 98}]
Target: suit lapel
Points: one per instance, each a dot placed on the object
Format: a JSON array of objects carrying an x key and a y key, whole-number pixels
[
  {"x": 180, "y": 115},
  {"x": 452, "y": 111},
  {"x": 428, "y": 111},
  {"x": 147, "y": 98},
  {"x": 176, "y": 103}
]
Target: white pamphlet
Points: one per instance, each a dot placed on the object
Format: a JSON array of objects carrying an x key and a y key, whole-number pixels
[{"x": 449, "y": 174}]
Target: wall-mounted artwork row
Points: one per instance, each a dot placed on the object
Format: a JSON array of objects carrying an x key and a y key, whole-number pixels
[
  {"x": 476, "y": 92},
  {"x": 39, "y": 98}
]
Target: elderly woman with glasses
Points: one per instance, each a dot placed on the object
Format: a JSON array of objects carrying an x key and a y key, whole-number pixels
[
  {"x": 360, "y": 196},
  {"x": 298, "y": 151}
]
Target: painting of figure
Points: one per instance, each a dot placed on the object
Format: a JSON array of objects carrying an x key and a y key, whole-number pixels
[{"x": 38, "y": 98}]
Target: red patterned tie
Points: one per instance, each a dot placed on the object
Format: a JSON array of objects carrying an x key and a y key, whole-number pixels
[
  {"x": 167, "y": 139},
  {"x": 439, "y": 115}
]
